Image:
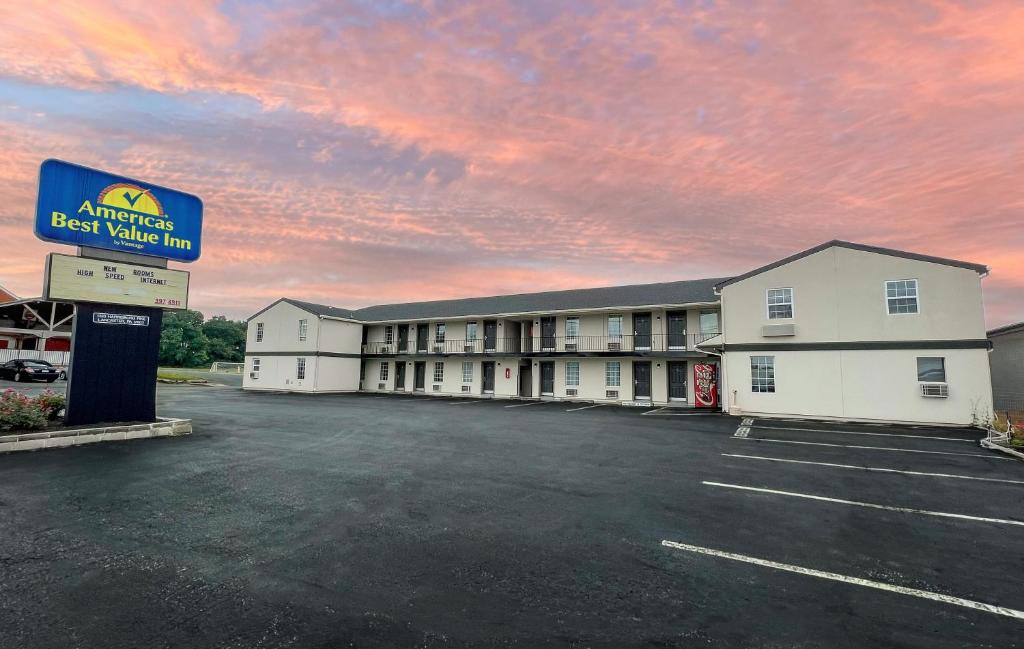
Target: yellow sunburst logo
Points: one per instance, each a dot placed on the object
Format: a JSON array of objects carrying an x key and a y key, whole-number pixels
[{"x": 126, "y": 196}]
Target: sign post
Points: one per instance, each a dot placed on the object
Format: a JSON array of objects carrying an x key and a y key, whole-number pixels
[{"x": 126, "y": 231}]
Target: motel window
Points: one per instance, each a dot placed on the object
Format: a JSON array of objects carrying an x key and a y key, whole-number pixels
[
  {"x": 614, "y": 326},
  {"x": 470, "y": 331},
  {"x": 572, "y": 373},
  {"x": 762, "y": 374},
  {"x": 300, "y": 368},
  {"x": 439, "y": 332},
  {"x": 384, "y": 370},
  {"x": 255, "y": 365},
  {"x": 612, "y": 374},
  {"x": 438, "y": 372},
  {"x": 931, "y": 369},
  {"x": 780, "y": 303},
  {"x": 467, "y": 371},
  {"x": 303, "y": 329},
  {"x": 901, "y": 296},
  {"x": 259, "y": 332},
  {"x": 709, "y": 325},
  {"x": 389, "y": 334},
  {"x": 572, "y": 328}
]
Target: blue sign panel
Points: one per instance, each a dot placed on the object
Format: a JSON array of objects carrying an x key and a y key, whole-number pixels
[{"x": 88, "y": 207}]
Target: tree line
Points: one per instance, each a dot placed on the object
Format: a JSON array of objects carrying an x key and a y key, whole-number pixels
[{"x": 186, "y": 340}]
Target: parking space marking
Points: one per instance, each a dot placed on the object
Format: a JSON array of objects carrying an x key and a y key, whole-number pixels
[
  {"x": 528, "y": 403},
  {"x": 875, "y": 448},
  {"x": 874, "y": 468},
  {"x": 464, "y": 403},
  {"x": 858, "y": 581},
  {"x": 857, "y": 503},
  {"x": 650, "y": 412},
  {"x": 595, "y": 405},
  {"x": 854, "y": 432},
  {"x": 742, "y": 431},
  {"x": 747, "y": 421}
]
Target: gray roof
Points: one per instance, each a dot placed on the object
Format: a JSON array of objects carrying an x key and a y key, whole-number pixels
[
  {"x": 315, "y": 309},
  {"x": 978, "y": 268},
  {"x": 1006, "y": 329},
  {"x": 684, "y": 292}
]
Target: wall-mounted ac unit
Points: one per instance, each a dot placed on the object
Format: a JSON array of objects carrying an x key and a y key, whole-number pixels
[
  {"x": 468, "y": 347},
  {"x": 570, "y": 347},
  {"x": 381, "y": 386},
  {"x": 385, "y": 349},
  {"x": 467, "y": 388},
  {"x": 773, "y": 330},
  {"x": 254, "y": 375},
  {"x": 611, "y": 394},
  {"x": 614, "y": 347},
  {"x": 935, "y": 390},
  {"x": 437, "y": 387},
  {"x": 438, "y": 348},
  {"x": 570, "y": 392}
]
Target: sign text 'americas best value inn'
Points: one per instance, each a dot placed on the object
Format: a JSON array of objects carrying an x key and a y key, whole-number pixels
[{"x": 87, "y": 207}]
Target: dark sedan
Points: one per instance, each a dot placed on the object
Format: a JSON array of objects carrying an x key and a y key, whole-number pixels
[{"x": 29, "y": 370}]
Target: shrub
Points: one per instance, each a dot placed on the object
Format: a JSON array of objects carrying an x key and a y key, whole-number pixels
[
  {"x": 17, "y": 411},
  {"x": 51, "y": 403}
]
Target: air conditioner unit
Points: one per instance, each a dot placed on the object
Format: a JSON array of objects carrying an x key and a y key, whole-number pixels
[
  {"x": 385, "y": 349},
  {"x": 611, "y": 394},
  {"x": 381, "y": 386},
  {"x": 467, "y": 388},
  {"x": 254, "y": 375},
  {"x": 935, "y": 390},
  {"x": 570, "y": 347},
  {"x": 570, "y": 392},
  {"x": 614, "y": 347},
  {"x": 438, "y": 348},
  {"x": 437, "y": 387}
]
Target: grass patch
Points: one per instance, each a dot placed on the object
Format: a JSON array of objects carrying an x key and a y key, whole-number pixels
[{"x": 171, "y": 375}]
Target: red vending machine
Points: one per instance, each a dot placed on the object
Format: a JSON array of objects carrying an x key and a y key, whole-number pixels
[{"x": 705, "y": 385}]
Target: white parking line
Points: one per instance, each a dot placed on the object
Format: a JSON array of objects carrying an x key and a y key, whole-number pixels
[
  {"x": 595, "y": 405},
  {"x": 529, "y": 403},
  {"x": 650, "y": 412},
  {"x": 874, "y": 468},
  {"x": 853, "y": 432},
  {"x": 873, "y": 448},
  {"x": 833, "y": 576},
  {"x": 463, "y": 403},
  {"x": 905, "y": 510}
]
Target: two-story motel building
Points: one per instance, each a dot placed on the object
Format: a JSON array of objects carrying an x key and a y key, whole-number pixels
[{"x": 842, "y": 330}]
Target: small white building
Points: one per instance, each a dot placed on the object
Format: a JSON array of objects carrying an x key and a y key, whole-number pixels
[{"x": 840, "y": 331}]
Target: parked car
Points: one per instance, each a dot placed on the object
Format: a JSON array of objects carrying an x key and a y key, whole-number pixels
[{"x": 29, "y": 370}]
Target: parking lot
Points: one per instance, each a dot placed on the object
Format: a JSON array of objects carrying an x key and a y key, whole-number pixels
[{"x": 292, "y": 520}]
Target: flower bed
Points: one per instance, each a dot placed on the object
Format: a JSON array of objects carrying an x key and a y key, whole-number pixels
[{"x": 19, "y": 411}]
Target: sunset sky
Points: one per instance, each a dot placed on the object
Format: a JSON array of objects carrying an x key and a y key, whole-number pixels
[{"x": 356, "y": 153}]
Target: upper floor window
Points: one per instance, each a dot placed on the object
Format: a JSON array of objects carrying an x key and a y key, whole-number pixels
[
  {"x": 762, "y": 374},
  {"x": 384, "y": 371},
  {"x": 709, "y": 325},
  {"x": 572, "y": 327},
  {"x": 303, "y": 329},
  {"x": 614, "y": 326},
  {"x": 300, "y": 368},
  {"x": 931, "y": 369},
  {"x": 439, "y": 332},
  {"x": 389, "y": 334},
  {"x": 470, "y": 331},
  {"x": 259, "y": 332},
  {"x": 572, "y": 373},
  {"x": 901, "y": 296},
  {"x": 780, "y": 303}
]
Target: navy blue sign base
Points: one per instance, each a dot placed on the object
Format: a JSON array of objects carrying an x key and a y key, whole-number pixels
[{"x": 114, "y": 355}]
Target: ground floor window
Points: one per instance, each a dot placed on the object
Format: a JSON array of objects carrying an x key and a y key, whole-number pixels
[
  {"x": 762, "y": 374},
  {"x": 438, "y": 372},
  {"x": 300, "y": 368},
  {"x": 572, "y": 373},
  {"x": 467, "y": 371},
  {"x": 612, "y": 374},
  {"x": 255, "y": 365},
  {"x": 384, "y": 371}
]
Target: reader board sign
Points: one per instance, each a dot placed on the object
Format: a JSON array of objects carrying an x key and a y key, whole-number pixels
[
  {"x": 87, "y": 207},
  {"x": 120, "y": 319},
  {"x": 80, "y": 279}
]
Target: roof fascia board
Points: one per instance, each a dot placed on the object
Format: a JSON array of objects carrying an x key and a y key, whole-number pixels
[{"x": 516, "y": 314}]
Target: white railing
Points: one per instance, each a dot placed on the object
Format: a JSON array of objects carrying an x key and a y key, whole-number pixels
[{"x": 57, "y": 359}]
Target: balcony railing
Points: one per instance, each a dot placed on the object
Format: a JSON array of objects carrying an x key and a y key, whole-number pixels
[{"x": 546, "y": 344}]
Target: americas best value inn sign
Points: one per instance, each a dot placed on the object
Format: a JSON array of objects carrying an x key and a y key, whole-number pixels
[{"x": 88, "y": 207}]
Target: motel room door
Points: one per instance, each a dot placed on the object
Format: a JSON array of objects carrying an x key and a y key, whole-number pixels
[
  {"x": 399, "y": 376},
  {"x": 525, "y": 379},
  {"x": 403, "y": 340},
  {"x": 547, "y": 379},
  {"x": 677, "y": 381},
  {"x": 642, "y": 331},
  {"x": 422, "y": 334},
  {"x": 676, "y": 329},
  {"x": 547, "y": 334},
  {"x": 487, "y": 367},
  {"x": 490, "y": 335},
  {"x": 421, "y": 376},
  {"x": 642, "y": 380}
]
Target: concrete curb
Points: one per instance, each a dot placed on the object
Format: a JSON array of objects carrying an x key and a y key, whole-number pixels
[
  {"x": 162, "y": 427},
  {"x": 998, "y": 447}
]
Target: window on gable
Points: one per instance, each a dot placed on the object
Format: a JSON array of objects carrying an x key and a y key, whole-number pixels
[
  {"x": 901, "y": 296},
  {"x": 259, "y": 332},
  {"x": 780, "y": 303},
  {"x": 303, "y": 329}
]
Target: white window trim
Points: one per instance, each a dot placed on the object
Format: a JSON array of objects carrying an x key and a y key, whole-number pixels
[
  {"x": 768, "y": 305},
  {"x": 945, "y": 371},
  {"x": 917, "y": 290},
  {"x": 467, "y": 365},
  {"x": 438, "y": 364},
  {"x": 775, "y": 386},
  {"x": 383, "y": 375},
  {"x": 608, "y": 322},
  {"x": 389, "y": 334},
  {"x": 256, "y": 364}
]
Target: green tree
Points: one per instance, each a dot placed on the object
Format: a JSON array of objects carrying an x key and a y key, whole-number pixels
[
  {"x": 182, "y": 342},
  {"x": 227, "y": 339}
]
